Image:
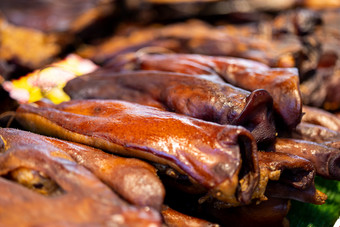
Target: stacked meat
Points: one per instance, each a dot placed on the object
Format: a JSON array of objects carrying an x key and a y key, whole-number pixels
[{"x": 186, "y": 124}]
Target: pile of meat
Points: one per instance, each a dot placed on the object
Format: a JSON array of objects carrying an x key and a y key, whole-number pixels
[{"x": 185, "y": 123}]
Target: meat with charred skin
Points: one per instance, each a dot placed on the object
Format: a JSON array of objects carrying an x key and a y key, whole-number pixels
[
  {"x": 221, "y": 158},
  {"x": 134, "y": 180},
  {"x": 194, "y": 96},
  {"x": 64, "y": 193}
]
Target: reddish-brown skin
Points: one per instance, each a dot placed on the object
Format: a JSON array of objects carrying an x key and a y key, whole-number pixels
[
  {"x": 296, "y": 179},
  {"x": 190, "y": 95},
  {"x": 321, "y": 117},
  {"x": 325, "y": 158},
  {"x": 281, "y": 83},
  {"x": 83, "y": 200},
  {"x": 173, "y": 218},
  {"x": 208, "y": 153},
  {"x": 134, "y": 180}
]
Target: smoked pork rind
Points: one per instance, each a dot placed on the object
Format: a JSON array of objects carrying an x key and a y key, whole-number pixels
[
  {"x": 220, "y": 158},
  {"x": 41, "y": 186}
]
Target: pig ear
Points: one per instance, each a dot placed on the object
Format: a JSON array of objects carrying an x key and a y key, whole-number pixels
[
  {"x": 258, "y": 118},
  {"x": 56, "y": 180}
]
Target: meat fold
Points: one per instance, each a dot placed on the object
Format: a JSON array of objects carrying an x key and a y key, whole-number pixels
[
  {"x": 195, "y": 96},
  {"x": 221, "y": 158},
  {"x": 134, "y": 180},
  {"x": 44, "y": 185},
  {"x": 281, "y": 83},
  {"x": 289, "y": 176},
  {"x": 326, "y": 159}
]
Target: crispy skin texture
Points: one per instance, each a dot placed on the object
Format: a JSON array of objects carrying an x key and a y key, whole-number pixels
[
  {"x": 295, "y": 179},
  {"x": 82, "y": 199},
  {"x": 215, "y": 156},
  {"x": 281, "y": 83},
  {"x": 325, "y": 158},
  {"x": 135, "y": 180},
  {"x": 194, "y": 96}
]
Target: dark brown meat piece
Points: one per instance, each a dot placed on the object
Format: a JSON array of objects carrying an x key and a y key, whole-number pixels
[
  {"x": 221, "y": 158},
  {"x": 268, "y": 213},
  {"x": 281, "y": 83},
  {"x": 321, "y": 117},
  {"x": 174, "y": 218},
  {"x": 193, "y": 96},
  {"x": 325, "y": 158},
  {"x": 290, "y": 177},
  {"x": 64, "y": 193},
  {"x": 314, "y": 133},
  {"x": 134, "y": 180}
]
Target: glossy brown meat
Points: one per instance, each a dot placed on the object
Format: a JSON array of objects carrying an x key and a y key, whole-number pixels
[
  {"x": 42, "y": 185},
  {"x": 222, "y": 158},
  {"x": 290, "y": 177},
  {"x": 174, "y": 218},
  {"x": 325, "y": 159},
  {"x": 314, "y": 133},
  {"x": 193, "y": 96},
  {"x": 321, "y": 117},
  {"x": 134, "y": 180},
  {"x": 281, "y": 83}
]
